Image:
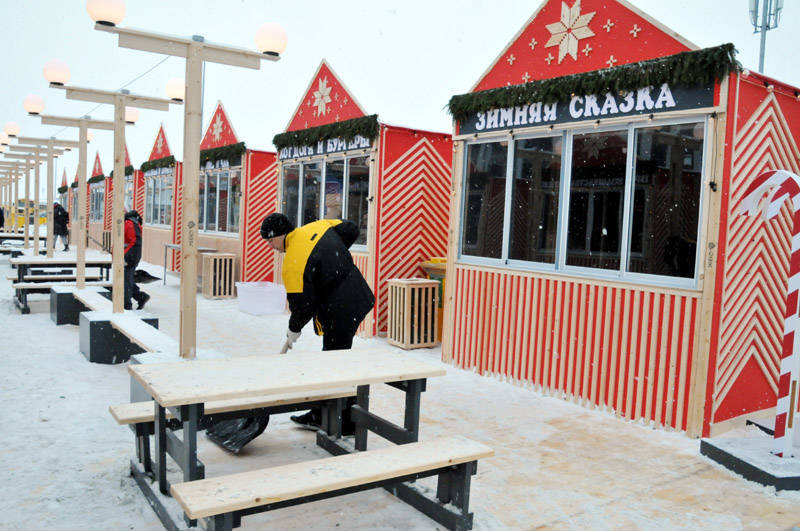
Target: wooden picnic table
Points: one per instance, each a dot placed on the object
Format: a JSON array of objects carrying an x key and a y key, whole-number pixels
[
  {"x": 182, "y": 389},
  {"x": 24, "y": 264}
]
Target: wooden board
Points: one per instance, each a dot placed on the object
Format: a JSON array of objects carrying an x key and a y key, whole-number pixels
[
  {"x": 47, "y": 285},
  {"x": 138, "y": 412},
  {"x": 181, "y": 383},
  {"x": 56, "y": 262},
  {"x": 146, "y": 336},
  {"x": 220, "y": 495},
  {"x": 92, "y": 299}
]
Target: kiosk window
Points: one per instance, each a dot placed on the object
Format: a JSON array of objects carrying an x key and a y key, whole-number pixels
[
  {"x": 358, "y": 195},
  {"x": 312, "y": 182},
  {"x": 485, "y": 199}
]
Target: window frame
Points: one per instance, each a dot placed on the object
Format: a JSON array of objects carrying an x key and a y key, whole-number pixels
[
  {"x": 559, "y": 267},
  {"x": 214, "y": 170},
  {"x": 323, "y": 161},
  {"x": 155, "y": 181}
]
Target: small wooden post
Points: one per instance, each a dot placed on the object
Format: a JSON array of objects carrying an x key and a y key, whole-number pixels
[
  {"x": 118, "y": 223},
  {"x": 49, "y": 242},
  {"x": 80, "y": 218},
  {"x": 37, "y": 162},
  {"x": 193, "y": 106},
  {"x": 25, "y": 219}
]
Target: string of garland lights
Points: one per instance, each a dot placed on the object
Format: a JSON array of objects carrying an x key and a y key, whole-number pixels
[
  {"x": 686, "y": 68},
  {"x": 232, "y": 153},
  {"x": 163, "y": 162},
  {"x": 365, "y": 126}
]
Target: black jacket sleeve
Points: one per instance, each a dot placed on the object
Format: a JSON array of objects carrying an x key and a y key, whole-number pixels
[{"x": 348, "y": 232}]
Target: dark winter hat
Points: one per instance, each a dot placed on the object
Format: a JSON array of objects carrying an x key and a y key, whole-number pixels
[
  {"x": 132, "y": 214},
  {"x": 275, "y": 225}
]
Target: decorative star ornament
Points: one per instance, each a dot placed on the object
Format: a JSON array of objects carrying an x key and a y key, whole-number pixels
[
  {"x": 159, "y": 144},
  {"x": 217, "y": 128},
  {"x": 322, "y": 97},
  {"x": 567, "y": 32}
]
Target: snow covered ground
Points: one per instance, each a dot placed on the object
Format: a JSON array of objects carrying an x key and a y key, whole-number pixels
[{"x": 64, "y": 461}]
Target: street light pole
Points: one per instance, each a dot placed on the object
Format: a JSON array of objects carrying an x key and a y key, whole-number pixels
[
  {"x": 120, "y": 100},
  {"x": 50, "y": 144},
  {"x": 83, "y": 124},
  {"x": 196, "y": 51}
]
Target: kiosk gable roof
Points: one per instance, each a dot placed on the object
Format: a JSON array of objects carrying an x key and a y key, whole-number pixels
[
  {"x": 160, "y": 145},
  {"x": 64, "y": 178},
  {"x": 97, "y": 169},
  {"x": 566, "y": 37},
  {"x": 326, "y": 100},
  {"x": 220, "y": 131}
]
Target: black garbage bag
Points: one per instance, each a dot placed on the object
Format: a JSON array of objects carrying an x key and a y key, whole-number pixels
[
  {"x": 234, "y": 434},
  {"x": 140, "y": 276}
]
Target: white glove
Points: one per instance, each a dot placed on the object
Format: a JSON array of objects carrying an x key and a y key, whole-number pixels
[{"x": 291, "y": 337}]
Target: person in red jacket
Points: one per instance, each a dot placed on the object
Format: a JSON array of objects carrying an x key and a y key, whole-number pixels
[{"x": 133, "y": 253}]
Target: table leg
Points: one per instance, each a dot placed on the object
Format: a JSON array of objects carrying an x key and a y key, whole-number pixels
[
  {"x": 160, "y": 436},
  {"x": 362, "y": 398},
  {"x": 413, "y": 399}
]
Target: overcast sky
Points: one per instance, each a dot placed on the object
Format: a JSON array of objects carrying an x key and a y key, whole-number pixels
[{"x": 402, "y": 59}]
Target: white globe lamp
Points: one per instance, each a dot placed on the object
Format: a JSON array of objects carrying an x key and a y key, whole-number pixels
[
  {"x": 131, "y": 115},
  {"x": 176, "y": 89},
  {"x": 34, "y": 104},
  {"x": 271, "y": 39},
  {"x": 106, "y": 12},
  {"x": 56, "y": 72}
]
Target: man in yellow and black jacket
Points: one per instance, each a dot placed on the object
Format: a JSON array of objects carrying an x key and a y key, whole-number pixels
[{"x": 322, "y": 283}]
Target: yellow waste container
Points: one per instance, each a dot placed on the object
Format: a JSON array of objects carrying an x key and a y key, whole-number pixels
[{"x": 436, "y": 268}]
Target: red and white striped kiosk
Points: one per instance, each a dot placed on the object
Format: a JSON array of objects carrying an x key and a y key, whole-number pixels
[
  {"x": 393, "y": 182},
  {"x": 237, "y": 190},
  {"x": 597, "y": 252}
]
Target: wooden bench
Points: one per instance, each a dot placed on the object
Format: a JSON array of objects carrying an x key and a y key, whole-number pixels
[
  {"x": 23, "y": 289},
  {"x": 93, "y": 300},
  {"x": 147, "y": 337},
  {"x": 53, "y": 278},
  {"x": 224, "y": 500}
]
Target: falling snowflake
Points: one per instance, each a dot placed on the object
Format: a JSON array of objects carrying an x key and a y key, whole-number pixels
[{"x": 569, "y": 30}]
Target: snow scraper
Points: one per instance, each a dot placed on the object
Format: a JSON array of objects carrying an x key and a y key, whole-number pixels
[{"x": 234, "y": 434}]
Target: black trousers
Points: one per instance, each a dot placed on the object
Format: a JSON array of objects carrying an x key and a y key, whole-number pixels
[
  {"x": 337, "y": 342},
  {"x": 131, "y": 289}
]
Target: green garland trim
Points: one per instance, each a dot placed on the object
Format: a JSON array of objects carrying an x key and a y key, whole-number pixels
[
  {"x": 95, "y": 179},
  {"x": 62, "y": 189},
  {"x": 232, "y": 153},
  {"x": 366, "y": 126},
  {"x": 128, "y": 171},
  {"x": 163, "y": 162},
  {"x": 73, "y": 185},
  {"x": 685, "y": 68}
]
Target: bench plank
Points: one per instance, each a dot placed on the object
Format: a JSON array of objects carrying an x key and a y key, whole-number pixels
[
  {"x": 176, "y": 384},
  {"x": 138, "y": 412},
  {"x": 48, "y": 285},
  {"x": 220, "y": 495},
  {"x": 93, "y": 300},
  {"x": 146, "y": 336}
]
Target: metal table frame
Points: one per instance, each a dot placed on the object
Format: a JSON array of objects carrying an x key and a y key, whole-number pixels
[
  {"x": 454, "y": 481},
  {"x": 21, "y": 295},
  {"x": 177, "y": 247}
]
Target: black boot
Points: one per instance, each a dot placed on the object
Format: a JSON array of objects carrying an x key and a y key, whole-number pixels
[
  {"x": 309, "y": 421},
  {"x": 142, "y": 300}
]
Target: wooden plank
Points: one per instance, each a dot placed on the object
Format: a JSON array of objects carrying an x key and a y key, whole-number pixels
[
  {"x": 43, "y": 285},
  {"x": 92, "y": 299},
  {"x": 56, "y": 261},
  {"x": 233, "y": 492},
  {"x": 146, "y": 336},
  {"x": 137, "y": 412},
  {"x": 180, "y": 383}
]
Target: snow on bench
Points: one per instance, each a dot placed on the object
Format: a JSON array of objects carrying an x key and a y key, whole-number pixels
[
  {"x": 139, "y": 412},
  {"x": 148, "y": 337},
  {"x": 235, "y": 492},
  {"x": 44, "y": 278},
  {"x": 93, "y": 300},
  {"x": 47, "y": 285}
]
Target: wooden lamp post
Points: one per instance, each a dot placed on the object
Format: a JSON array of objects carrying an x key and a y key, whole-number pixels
[
  {"x": 37, "y": 153},
  {"x": 271, "y": 40},
  {"x": 83, "y": 124},
  {"x": 124, "y": 112},
  {"x": 50, "y": 145},
  {"x": 28, "y": 161}
]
